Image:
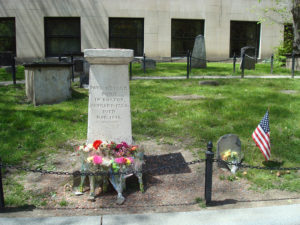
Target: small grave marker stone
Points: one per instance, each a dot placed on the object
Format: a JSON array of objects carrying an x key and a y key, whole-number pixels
[
  {"x": 225, "y": 143},
  {"x": 250, "y": 58},
  {"x": 149, "y": 64}
]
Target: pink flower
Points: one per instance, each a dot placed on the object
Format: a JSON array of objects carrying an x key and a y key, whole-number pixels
[
  {"x": 130, "y": 159},
  {"x": 97, "y": 160},
  {"x": 119, "y": 146},
  {"x": 121, "y": 160},
  {"x": 124, "y": 144}
]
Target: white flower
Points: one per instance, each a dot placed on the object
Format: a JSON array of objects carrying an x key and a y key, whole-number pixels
[
  {"x": 106, "y": 162},
  {"x": 90, "y": 159},
  {"x": 88, "y": 148},
  {"x": 104, "y": 144}
]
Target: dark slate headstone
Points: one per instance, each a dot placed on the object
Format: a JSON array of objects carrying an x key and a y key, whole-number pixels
[
  {"x": 199, "y": 53},
  {"x": 149, "y": 64},
  {"x": 250, "y": 58}
]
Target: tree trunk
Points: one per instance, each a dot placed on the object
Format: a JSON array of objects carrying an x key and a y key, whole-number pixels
[{"x": 296, "y": 24}]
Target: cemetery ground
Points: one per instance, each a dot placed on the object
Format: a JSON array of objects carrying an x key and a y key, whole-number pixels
[
  {"x": 173, "y": 120},
  {"x": 179, "y": 69}
]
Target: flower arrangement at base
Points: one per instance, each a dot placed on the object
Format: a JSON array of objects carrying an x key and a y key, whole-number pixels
[
  {"x": 107, "y": 154},
  {"x": 231, "y": 156},
  {"x": 110, "y": 158}
]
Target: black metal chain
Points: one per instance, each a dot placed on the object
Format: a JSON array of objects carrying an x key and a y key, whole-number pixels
[
  {"x": 241, "y": 165},
  {"x": 78, "y": 173}
]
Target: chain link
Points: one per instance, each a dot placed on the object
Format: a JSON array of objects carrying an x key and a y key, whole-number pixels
[
  {"x": 78, "y": 173},
  {"x": 241, "y": 165},
  {"x": 145, "y": 170}
]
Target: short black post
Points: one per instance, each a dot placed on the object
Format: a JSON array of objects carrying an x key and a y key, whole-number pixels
[
  {"x": 13, "y": 69},
  {"x": 293, "y": 65},
  {"x": 272, "y": 60},
  {"x": 130, "y": 70},
  {"x": 234, "y": 62},
  {"x": 59, "y": 58},
  {"x": 144, "y": 63},
  {"x": 2, "y": 205},
  {"x": 72, "y": 61},
  {"x": 243, "y": 65},
  {"x": 188, "y": 65},
  {"x": 208, "y": 173}
]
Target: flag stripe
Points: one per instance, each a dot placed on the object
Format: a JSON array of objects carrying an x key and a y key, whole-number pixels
[
  {"x": 264, "y": 136},
  {"x": 261, "y": 136},
  {"x": 263, "y": 151},
  {"x": 262, "y": 144}
]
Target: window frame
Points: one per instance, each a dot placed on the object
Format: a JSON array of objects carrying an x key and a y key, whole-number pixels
[
  {"x": 49, "y": 37},
  {"x": 14, "y": 50},
  {"x": 190, "y": 38},
  {"x": 257, "y": 36},
  {"x": 137, "y": 36}
]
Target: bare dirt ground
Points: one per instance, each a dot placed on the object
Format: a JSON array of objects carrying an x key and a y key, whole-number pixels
[{"x": 170, "y": 190}]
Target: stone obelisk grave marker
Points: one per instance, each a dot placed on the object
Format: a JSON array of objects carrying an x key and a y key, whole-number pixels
[{"x": 109, "y": 116}]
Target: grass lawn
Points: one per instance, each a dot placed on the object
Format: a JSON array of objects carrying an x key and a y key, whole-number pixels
[
  {"x": 8, "y": 77},
  {"x": 220, "y": 69},
  {"x": 236, "y": 106}
]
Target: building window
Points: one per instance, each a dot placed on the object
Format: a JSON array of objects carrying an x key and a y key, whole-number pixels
[
  {"x": 183, "y": 35},
  {"x": 127, "y": 33},
  {"x": 243, "y": 34},
  {"x": 62, "y": 35},
  {"x": 8, "y": 35}
]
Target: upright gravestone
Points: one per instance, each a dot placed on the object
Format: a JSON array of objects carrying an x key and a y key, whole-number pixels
[
  {"x": 250, "y": 58},
  {"x": 227, "y": 144},
  {"x": 199, "y": 53},
  {"x": 109, "y": 116}
]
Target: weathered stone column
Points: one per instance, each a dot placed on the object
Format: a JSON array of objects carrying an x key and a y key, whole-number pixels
[{"x": 109, "y": 116}]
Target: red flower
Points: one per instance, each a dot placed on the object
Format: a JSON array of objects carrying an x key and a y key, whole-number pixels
[{"x": 96, "y": 144}]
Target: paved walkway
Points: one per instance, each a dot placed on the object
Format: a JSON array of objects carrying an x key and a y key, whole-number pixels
[{"x": 274, "y": 215}]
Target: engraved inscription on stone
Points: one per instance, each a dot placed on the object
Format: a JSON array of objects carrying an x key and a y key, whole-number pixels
[{"x": 110, "y": 102}]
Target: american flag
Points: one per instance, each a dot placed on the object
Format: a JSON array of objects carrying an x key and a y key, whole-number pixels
[{"x": 261, "y": 136}]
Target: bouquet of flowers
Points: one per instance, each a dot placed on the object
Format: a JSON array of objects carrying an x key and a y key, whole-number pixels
[
  {"x": 231, "y": 157},
  {"x": 102, "y": 155}
]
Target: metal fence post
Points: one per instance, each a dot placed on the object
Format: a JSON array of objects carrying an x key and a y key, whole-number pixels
[
  {"x": 243, "y": 65},
  {"x": 190, "y": 58},
  {"x": 272, "y": 59},
  {"x": 130, "y": 70},
  {"x": 208, "y": 172},
  {"x": 144, "y": 63},
  {"x": 2, "y": 205},
  {"x": 188, "y": 64},
  {"x": 293, "y": 65},
  {"x": 13, "y": 69},
  {"x": 72, "y": 61},
  {"x": 234, "y": 62}
]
